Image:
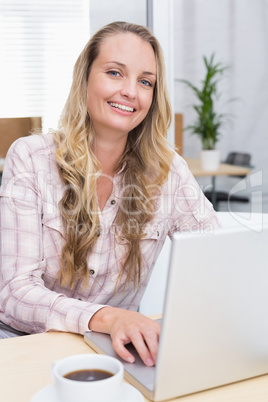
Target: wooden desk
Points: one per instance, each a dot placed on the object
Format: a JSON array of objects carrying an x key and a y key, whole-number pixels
[
  {"x": 223, "y": 170},
  {"x": 25, "y": 368}
]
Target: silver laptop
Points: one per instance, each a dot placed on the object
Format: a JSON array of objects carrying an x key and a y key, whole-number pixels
[{"x": 214, "y": 327}]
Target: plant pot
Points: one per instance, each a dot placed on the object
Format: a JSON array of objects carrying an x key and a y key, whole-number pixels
[{"x": 210, "y": 159}]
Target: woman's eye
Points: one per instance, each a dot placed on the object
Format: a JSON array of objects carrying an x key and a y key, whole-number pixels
[
  {"x": 113, "y": 73},
  {"x": 147, "y": 83}
]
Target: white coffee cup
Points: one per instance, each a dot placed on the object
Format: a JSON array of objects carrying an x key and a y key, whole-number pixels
[{"x": 105, "y": 390}]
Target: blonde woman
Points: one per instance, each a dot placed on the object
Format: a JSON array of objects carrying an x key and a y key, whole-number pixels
[{"x": 85, "y": 211}]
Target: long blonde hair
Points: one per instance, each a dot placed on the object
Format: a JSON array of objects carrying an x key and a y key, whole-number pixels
[{"x": 145, "y": 165}]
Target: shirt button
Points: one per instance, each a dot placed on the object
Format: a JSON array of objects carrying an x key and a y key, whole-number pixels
[
  {"x": 113, "y": 202},
  {"x": 91, "y": 271}
]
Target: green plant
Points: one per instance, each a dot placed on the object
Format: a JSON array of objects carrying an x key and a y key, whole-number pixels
[{"x": 208, "y": 121}]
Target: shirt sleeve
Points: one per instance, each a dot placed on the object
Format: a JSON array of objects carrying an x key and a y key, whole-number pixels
[
  {"x": 192, "y": 211},
  {"x": 25, "y": 302}
]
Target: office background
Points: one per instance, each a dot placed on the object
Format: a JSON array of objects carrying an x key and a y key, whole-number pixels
[{"x": 40, "y": 41}]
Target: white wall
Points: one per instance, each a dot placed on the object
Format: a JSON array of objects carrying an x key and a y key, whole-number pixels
[
  {"x": 103, "y": 12},
  {"x": 163, "y": 28}
]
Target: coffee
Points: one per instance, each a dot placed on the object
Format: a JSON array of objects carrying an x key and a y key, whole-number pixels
[
  {"x": 88, "y": 375},
  {"x": 86, "y": 369}
]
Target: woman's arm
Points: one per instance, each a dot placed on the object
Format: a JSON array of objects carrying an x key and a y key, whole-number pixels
[{"x": 30, "y": 249}]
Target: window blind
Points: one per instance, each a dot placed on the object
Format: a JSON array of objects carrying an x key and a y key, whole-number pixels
[{"x": 39, "y": 43}]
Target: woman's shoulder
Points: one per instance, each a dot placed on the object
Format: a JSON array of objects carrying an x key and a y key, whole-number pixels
[
  {"x": 178, "y": 165},
  {"x": 34, "y": 144}
]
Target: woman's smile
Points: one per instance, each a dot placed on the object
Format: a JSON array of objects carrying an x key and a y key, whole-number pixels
[{"x": 121, "y": 107}]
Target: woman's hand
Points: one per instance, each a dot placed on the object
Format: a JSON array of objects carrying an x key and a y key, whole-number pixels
[{"x": 126, "y": 326}]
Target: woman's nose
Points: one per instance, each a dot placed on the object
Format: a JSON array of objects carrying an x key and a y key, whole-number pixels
[{"x": 129, "y": 89}]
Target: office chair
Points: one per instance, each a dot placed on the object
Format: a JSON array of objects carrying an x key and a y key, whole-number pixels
[
  {"x": 12, "y": 128},
  {"x": 238, "y": 159}
]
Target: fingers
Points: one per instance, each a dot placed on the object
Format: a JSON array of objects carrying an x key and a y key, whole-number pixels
[
  {"x": 144, "y": 336},
  {"x": 126, "y": 326},
  {"x": 152, "y": 341},
  {"x": 147, "y": 350},
  {"x": 122, "y": 351}
]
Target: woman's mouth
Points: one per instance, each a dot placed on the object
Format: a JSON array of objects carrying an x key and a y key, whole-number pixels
[{"x": 121, "y": 107}]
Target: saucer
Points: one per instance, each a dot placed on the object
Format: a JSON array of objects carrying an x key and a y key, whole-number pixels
[{"x": 128, "y": 394}]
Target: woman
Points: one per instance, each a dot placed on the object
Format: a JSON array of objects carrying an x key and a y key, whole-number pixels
[{"x": 85, "y": 210}]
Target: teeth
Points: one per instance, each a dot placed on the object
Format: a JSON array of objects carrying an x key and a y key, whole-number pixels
[{"x": 122, "y": 107}]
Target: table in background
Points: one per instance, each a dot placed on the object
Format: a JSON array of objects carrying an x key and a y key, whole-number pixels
[
  {"x": 25, "y": 369},
  {"x": 223, "y": 170}
]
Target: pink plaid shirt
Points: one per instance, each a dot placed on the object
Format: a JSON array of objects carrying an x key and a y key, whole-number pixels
[{"x": 32, "y": 236}]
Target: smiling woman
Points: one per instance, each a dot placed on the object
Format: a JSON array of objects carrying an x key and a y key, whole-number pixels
[{"x": 86, "y": 210}]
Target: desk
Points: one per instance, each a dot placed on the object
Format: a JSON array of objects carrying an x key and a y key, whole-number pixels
[
  {"x": 25, "y": 368},
  {"x": 223, "y": 170}
]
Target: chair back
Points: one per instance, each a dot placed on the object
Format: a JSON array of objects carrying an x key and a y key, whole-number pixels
[
  {"x": 13, "y": 128},
  {"x": 179, "y": 133}
]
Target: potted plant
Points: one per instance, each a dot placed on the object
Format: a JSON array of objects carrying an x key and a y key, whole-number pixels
[{"x": 208, "y": 121}]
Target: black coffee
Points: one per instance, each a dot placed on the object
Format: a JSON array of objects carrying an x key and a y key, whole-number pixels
[{"x": 88, "y": 375}]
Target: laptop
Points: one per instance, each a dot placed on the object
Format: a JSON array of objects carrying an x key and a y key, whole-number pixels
[{"x": 214, "y": 329}]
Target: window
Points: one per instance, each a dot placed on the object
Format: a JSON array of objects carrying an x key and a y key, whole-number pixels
[{"x": 39, "y": 43}]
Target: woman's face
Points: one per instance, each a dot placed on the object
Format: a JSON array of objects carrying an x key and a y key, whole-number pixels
[{"x": 121, "y": 84}]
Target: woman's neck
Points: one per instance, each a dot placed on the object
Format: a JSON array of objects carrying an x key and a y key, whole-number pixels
[{"x": 109, "y": 153}]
